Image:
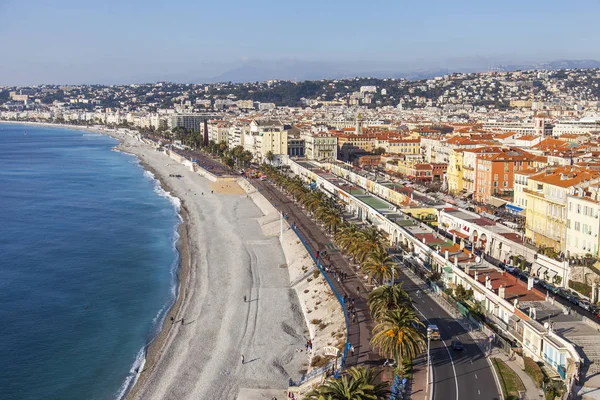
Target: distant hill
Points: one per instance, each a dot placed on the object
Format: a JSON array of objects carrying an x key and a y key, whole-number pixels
[{"x": 302, "y": 71}]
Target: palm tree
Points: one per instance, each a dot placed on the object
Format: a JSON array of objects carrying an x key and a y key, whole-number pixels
[
  {"x": 313, "y": 201},
  {"x": 371, "y": 240},
  {"x": 387, "y": 297},
  {"x": 347, "y": 237},
  {"x": 330, "y": 217},
  {"x": 379, "y": 265},
  {"x": 397, "y": 335},
  {"x": 270, "y": 156},
  {"x": 357, "y": 384}
]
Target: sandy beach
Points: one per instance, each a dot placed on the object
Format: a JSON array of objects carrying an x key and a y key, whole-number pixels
[
  {"x": 199, "y": 356},
  {"x": 230, "y": 249}
]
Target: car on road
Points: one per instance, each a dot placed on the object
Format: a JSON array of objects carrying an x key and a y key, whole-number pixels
[
  {"x": 433, "y": 332},
  {"x": 457, "y": 345}
]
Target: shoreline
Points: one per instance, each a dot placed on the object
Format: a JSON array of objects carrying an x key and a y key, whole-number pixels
[
  {"x": 156, "y": 345},
  {"x": 154, "y": 348},
  {"x": 160, "y": 376}
]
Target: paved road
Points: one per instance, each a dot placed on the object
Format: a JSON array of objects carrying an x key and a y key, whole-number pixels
[
  {"x": 457, "y": 375},
  {"x": 359, "y": 332}
]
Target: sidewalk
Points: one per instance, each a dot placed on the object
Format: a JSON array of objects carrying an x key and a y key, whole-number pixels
[
  {"x": 359, "y": 332},
  {"x": 419, "y": 382},
  {"x": 531, "y": 390}
]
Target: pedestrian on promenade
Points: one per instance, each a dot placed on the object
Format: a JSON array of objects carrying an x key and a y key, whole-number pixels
[
  {"x": 242, "y": 359},
  {"x": 352, "y": 349},
  {"x": 353, "y": 302},
  {"x": 182, "y": 321},
  {"x": 172, "y": 319},
  {"x": 353, "y": 318},
  {"x": 358, "y": 290},
  {"x": 244, "y": 299}
]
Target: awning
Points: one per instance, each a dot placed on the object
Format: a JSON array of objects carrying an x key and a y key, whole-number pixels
[
  {"x": 460, "y": 235},
  {"x": 513, "y": 208},
  {"x": 496, "y": 202}
]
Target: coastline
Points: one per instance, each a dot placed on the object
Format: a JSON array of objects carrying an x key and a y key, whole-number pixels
[
  {"x": 153, "y": 349},
  {"x": 168, "y": 351}
]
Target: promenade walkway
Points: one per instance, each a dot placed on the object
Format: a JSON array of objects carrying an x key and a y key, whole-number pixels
[{"x": 359, "y": 332}]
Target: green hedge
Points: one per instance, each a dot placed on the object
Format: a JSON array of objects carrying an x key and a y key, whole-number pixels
[
  {"x": 534, "y": 371},
  {"x": 582, "y": 288}
]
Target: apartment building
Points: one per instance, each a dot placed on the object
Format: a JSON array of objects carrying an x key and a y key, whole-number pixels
[
  {"x": 583, "y": 225},
  {"x": 187, "y": 121},
  {"x": 494, "y": 173},
  {"x": 547, "y": 201},
  {"x": 320, "y": 146},
  {"x": 269, "y": 136}
]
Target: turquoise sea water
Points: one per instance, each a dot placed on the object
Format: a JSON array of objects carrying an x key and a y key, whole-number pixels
[{"x": 87, "y": 264}]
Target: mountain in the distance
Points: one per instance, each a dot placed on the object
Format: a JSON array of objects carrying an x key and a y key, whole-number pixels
[{"x": 302, "y": 71}]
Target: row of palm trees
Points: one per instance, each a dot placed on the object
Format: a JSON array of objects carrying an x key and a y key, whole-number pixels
[{"x": 398, "y": 333}]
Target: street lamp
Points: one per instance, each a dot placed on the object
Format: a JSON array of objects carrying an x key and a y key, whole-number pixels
[{"x": 428, "y": 356}]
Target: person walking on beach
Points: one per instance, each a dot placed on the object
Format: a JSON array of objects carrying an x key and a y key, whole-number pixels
[
  {"x": 244, "y": 299},
  {"x": 242, "y": 359},
  {"x": 182, "y": 321},
  {"x": 358, "y": 290},
  {"x": 172, "y": 319}
]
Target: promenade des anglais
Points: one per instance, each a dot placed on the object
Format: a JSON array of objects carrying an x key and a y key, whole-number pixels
[{"x": 225, "y": 201}]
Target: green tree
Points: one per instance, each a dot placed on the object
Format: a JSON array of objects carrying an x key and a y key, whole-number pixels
[
  {"x": 463, "y": 294},
  {"x": 358, "y": 383},
  {"x": 270, "y": 156},
  {"x": 396, "y": 335},
  {"x": 387, "y": 297},
  {"x": 379, "y": 265}
]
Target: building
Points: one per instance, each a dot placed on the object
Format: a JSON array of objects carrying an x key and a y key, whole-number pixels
[
  {"x": 296, "y": 146},
  {"x": 540, "y": 126},
  {"x": 401, "y": 146},
  {"x": 494, "y": 173},
  {"x": 583, "y": 225},
  {"x": 188, "y": 121},
  {"x": 269, "y": 137},
  {"x": 583, "y": 126},
  {"x": 321, "y": 146},
  {"x": 218, "y": 132},
  {"x": 546, "y": 196}
]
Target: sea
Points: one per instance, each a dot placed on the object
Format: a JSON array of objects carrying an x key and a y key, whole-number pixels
[{"x": 88, "y": 264}]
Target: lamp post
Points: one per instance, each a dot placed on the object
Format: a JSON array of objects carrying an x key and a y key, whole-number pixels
[{"x": 428, "y": 357}]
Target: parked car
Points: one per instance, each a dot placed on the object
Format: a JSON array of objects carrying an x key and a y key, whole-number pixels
[
  {"x": 510, "y": 268},
  {"x": 574, "y": 298},
  {"x": 586, "y": 305},
  {"x": 457, "y": 345}
]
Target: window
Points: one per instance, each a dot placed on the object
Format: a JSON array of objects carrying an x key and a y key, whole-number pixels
[
  {"x": 578, "y": 208},
  {"x": 505, "y": 177},
  {"x": 577, "y": 226},
  {"x": 505, "y": 184}
]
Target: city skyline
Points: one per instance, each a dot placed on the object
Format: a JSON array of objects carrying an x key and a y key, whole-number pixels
[{"x": 112, "y": 43}]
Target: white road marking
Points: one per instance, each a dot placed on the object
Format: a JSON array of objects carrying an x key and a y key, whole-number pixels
[
  {"x": 449, "y": 354},
  {"x": 431, "y": 308},
  {"x": 475, "y": 376},
  {"x": 479, "y": 392}
]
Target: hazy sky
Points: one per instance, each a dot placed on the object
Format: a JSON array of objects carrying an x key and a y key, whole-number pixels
[{"x": 110, "y": 41}]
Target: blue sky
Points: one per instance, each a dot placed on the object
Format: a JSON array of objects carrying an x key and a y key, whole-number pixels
[{"x": 109, "y": 41}]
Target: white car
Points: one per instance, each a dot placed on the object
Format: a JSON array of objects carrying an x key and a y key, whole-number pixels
[{"x": 584, "y": 304}]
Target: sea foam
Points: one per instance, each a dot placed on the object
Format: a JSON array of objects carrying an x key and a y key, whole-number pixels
[{"x": 162, "y": 192}]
